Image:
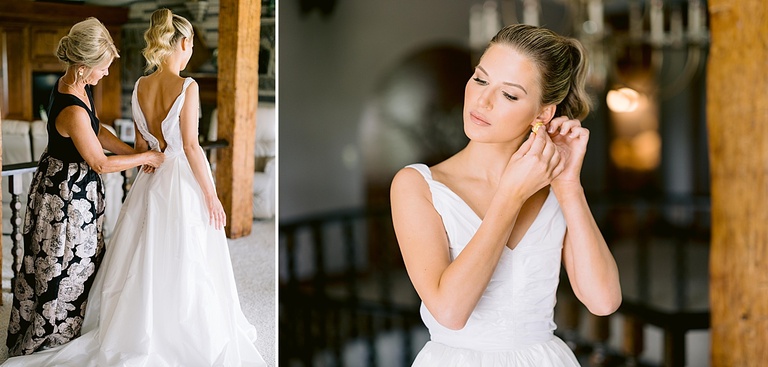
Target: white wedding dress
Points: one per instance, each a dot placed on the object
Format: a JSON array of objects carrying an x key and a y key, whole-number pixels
[
  {"x": 165, "y": 294},
  {"x": 512, "y": 324}
]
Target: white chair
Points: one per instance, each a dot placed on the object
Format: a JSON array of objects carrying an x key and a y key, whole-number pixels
[
  {"x": 16, "y": 149},
  {"x": 264, "y": 181},
  {"x": 39, "y": 133}
]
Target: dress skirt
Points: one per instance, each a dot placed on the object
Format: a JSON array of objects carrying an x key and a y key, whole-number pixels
[
  {"x": 552, "y": 353},
  {"x": 63, "y": 246}
]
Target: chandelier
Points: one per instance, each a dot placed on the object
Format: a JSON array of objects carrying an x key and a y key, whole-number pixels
[
  {"x": 640, "y": 53},
  {"x": 609, "y": 29}
]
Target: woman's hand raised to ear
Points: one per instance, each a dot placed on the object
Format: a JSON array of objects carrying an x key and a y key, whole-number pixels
[
  {"x": 535, "y": 164},
  {"x": 571, "y": 139}
]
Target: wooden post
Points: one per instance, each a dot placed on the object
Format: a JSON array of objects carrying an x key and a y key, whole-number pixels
[
  {"x": 1, "y": 197},
  {"x": 238, "y": 80},
  {"x": 737, "y": 113}
]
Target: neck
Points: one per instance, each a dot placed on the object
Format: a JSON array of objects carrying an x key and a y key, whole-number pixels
[
  {"x": 488, "y": 160},
  {"x": 171, "y": 65},
  {"x": 72, "y": 83},
  {"x": 70, "y": 78}
]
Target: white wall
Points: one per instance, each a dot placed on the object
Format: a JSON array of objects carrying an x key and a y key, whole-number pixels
[{"x": 327, "y": 70}]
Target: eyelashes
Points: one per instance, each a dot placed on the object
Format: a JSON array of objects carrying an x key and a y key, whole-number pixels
[
  {"x": 509, "y": 96},
  {"x": 480, "y": 81},
  {"x": 484, "y": 83}
]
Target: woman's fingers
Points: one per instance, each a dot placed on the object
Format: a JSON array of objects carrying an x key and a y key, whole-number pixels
[
  {"x": 555, "y": 124},
  {"x": 563, "y": 125},
  {"x": 546, "y": 153},
  {"x": 525, "y": 147},
  {"x": 538, "y": 144},
  {"x": 222, "y": 219},
  {"x": 580, "y": 132},
  {"x": 217, "y": 217}
]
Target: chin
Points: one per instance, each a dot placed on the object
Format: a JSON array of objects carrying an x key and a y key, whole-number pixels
[{"x": 480, "y": 134}]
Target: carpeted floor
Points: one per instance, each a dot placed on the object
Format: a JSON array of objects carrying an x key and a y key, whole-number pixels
[{"x": 253, "y": 260}]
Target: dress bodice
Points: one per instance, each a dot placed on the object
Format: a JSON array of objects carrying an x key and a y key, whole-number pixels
[
  {"x": 517, "y": 308},
  {"x": 170, "y": 125},
  {"x": 62, "y": 147}
]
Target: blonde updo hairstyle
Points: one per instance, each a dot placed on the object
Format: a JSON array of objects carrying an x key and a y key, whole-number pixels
[
  {"x": 88, "y": 44},
  {"x": 562, "y": 64},
  {"x": 165, "y": 31}
]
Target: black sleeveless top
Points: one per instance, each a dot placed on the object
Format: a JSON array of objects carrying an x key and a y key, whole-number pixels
[{"x": 60, "y": 147}]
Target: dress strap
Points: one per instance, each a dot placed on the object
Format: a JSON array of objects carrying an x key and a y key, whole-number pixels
[
  {"x": 423, "y": 169},
  {"x": 187, "y": 82}
]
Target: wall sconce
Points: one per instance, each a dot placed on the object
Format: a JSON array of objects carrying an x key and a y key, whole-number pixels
[{"x": 622, "y": 100}]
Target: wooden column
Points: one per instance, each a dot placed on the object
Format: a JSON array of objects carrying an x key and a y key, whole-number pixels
[
  {"x": 238, "y": 81},
  {"x": 737, "y": 113},
  {"x": 1, "y": 194}
]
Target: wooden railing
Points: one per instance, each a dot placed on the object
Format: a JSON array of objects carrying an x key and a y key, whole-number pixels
[{"x": 343, "y": 286}]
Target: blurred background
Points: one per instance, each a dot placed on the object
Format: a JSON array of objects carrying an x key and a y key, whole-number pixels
[{"x": 367, "y": 87}]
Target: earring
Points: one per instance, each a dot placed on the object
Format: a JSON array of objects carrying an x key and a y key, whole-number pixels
[{"x": 80, "y": 73}]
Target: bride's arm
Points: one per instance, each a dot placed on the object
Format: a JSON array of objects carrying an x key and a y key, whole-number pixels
[
  {"x": 189, "y": 135},
  {"x": 452, "y": 289},
  {"x": 591, "y": 269}
]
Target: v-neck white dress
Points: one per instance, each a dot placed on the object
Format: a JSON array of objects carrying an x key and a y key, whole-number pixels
[
  {"x": 512, "y": 324},
  {"x": 165, "y": 294}
]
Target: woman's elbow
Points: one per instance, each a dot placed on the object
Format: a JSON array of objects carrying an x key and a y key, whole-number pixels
[
  {"x": 606, "y": 306},
  {"x": 191, "y": 148},
  {"x": 98, "y": 166},
  {"x": 451, "y": 320}
]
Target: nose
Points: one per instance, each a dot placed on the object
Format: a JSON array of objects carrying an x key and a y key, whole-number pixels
[{"x": 484, "y": 99}]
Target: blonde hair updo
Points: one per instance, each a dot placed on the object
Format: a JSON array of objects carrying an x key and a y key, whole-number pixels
[
  {"x": 165, "y": 30},
  {"x": 562, "y": 64},
  {"x": 88, "y": 44}
]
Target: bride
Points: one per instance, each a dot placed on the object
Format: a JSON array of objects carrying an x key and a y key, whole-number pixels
[{"x": 166, "y": 293}]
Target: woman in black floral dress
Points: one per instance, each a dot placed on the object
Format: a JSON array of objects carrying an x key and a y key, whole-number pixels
[{"x": 63, "y": 242}]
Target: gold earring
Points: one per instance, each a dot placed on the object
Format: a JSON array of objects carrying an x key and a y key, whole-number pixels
[{"x": 536, "y": 126}]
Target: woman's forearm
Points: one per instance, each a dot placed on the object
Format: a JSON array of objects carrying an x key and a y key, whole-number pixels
[
  {"x": 590, "y": 264},
  {"x": 111, "y": 143},
  {"x": 117, "y": 163},
  {"x": 464, "y": 281},
  {"x": 196, "y": 159}
]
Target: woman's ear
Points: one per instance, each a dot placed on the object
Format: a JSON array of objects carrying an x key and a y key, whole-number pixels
[{"x": 546, "y": 114}]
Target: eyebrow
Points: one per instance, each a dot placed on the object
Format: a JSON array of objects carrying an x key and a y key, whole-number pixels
[{"x": 505, "y": 83}]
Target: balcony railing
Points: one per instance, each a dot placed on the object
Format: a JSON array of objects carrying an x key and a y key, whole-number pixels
[{"x": 345, "y": 298}]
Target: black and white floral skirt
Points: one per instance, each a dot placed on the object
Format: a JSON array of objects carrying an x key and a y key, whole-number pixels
[{"x": 63, "y": 246}]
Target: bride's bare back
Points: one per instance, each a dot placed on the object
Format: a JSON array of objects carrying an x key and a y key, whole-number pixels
[{"x": 156, "y": 94}]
